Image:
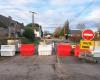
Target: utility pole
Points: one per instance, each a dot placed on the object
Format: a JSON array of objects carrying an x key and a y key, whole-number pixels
[
  {"x": 33, "y": 19},
  {"x": 9, "y": 27}
]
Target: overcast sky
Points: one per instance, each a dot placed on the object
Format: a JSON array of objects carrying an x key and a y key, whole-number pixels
[{"x": 51, "y": 13}]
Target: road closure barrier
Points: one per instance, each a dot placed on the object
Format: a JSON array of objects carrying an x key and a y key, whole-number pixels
[
  {"x": 64, "y": 50},
  {"x": 27, "y": 50},
  {"x": 78, "y": 50},
  {"x": 45, "y": 49},
  {"x": 7, "y": 50}
]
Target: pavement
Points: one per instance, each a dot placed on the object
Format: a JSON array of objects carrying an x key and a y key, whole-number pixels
[{"x": 47, "y": 68}]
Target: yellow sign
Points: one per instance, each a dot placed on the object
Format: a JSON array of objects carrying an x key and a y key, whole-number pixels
[{"x": 85, "y": 44}]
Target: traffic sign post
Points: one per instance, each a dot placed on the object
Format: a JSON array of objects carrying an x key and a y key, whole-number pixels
[
  {"x": 88, "y": 34},
  {"x": 87, "y": 43}
]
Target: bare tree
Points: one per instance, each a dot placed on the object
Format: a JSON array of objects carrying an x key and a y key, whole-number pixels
[
  {"x": 66, "y": 27},
  {"x": 57, "y": 31}
]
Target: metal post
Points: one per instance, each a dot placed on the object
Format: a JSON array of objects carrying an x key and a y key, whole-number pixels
[
  {"x": 33, "y": 18},
  {"x": 9, "y": 27}
]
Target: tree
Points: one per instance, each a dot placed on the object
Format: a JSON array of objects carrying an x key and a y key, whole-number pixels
[
  {"x": 66, "y": 30},
  {"x": 66, "y": 27},
  {"x": 57, "y": 30},
  {"x": 36, "y": 27},
  {"x": 28, "y": 33},
  {"x": 61, "y": 32}
]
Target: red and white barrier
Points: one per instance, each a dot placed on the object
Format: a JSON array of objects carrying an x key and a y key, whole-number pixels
[
  {"x": 64, "y": 50},
  {"x": 8, "y": 50},
  {"x": 45, "y": 49},
  {"x": 27, "y": 50}
]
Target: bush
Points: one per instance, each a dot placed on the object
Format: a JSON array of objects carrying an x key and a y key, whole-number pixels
[
  {"x": 3, "y": 41},
  {"x": 29, "y": 34},
  {"x": 25, "y": 41}
]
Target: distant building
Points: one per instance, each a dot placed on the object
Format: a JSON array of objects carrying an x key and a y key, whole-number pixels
[
  {"x": 76, "y": 35},
  {"x": 9, "y": 27},
  {"x": 38, "y": 32},
  {"x": 76, "y": 32}
]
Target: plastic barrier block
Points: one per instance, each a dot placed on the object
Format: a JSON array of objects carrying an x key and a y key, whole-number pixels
[
  {"x": 7, "y": 50},
  {"x": 96, "y": 51},
  {"x": 77, "y": 51},
  {"x": 27, "y": 50},
  {"x": 64, "y": 50},
  {"x": 45, "y": 49}
]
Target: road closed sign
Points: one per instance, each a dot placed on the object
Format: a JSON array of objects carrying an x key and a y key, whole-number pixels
[
  {"x": 88, "y": 34},
  {"x": 85, "y": 44}
]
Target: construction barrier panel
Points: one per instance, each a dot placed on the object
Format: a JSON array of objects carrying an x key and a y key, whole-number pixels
[
  {"x": 64, "y": 50},
  {"x": 45, "y": 49},
  {"x": 96, "y": 51},
  {"x": 77, "y": 51},
  {"x": 7, "y": 50},
  {"x": 27, "y": 50}
]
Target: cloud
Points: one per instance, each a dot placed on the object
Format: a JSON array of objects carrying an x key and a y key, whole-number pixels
[
  {"x": 51, "y": 13},
  {"x": 51, "y": 19},
  {"x": 68, "y": 2},
  {"x": 20, "y": 2},
  {"x": 94, "y": 15},
  {"x": 59, "y": 2}
]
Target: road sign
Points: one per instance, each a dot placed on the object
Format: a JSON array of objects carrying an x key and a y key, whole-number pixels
[
  {"x": 85, "y": 44},
  {"x": 88, "y": 34}
]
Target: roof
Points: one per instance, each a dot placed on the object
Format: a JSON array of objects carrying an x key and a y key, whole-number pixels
[
  {"x": 75, "y": 31},
  {"x": 5, "y": 21}
]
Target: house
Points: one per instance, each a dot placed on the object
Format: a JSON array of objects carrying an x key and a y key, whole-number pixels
[
  {"x": 76, "y": 32},
  {"x": 10, "y": 27},
  {"x": 76, "y": 35},
  {"x": 38, "y": 31}
]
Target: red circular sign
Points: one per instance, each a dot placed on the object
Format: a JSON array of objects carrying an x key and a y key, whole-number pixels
[{"x": 88, "y": 34}]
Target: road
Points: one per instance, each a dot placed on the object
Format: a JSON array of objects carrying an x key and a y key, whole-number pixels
[{"x": 47, "y": 68}]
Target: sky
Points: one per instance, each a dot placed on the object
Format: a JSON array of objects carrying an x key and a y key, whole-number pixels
[{"x": 52, "y": 13}]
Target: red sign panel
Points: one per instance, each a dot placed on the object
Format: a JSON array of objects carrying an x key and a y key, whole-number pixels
[{"x": 88, "y": 34}]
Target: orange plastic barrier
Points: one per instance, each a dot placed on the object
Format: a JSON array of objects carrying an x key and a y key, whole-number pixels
[
  {"x": 64, "y": 50},
  {"x": 77, "y": 51},
  {"x": 27, "y": 50}
]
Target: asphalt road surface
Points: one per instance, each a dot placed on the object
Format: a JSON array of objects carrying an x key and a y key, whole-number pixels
[{"x": 47, "y": 68}]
